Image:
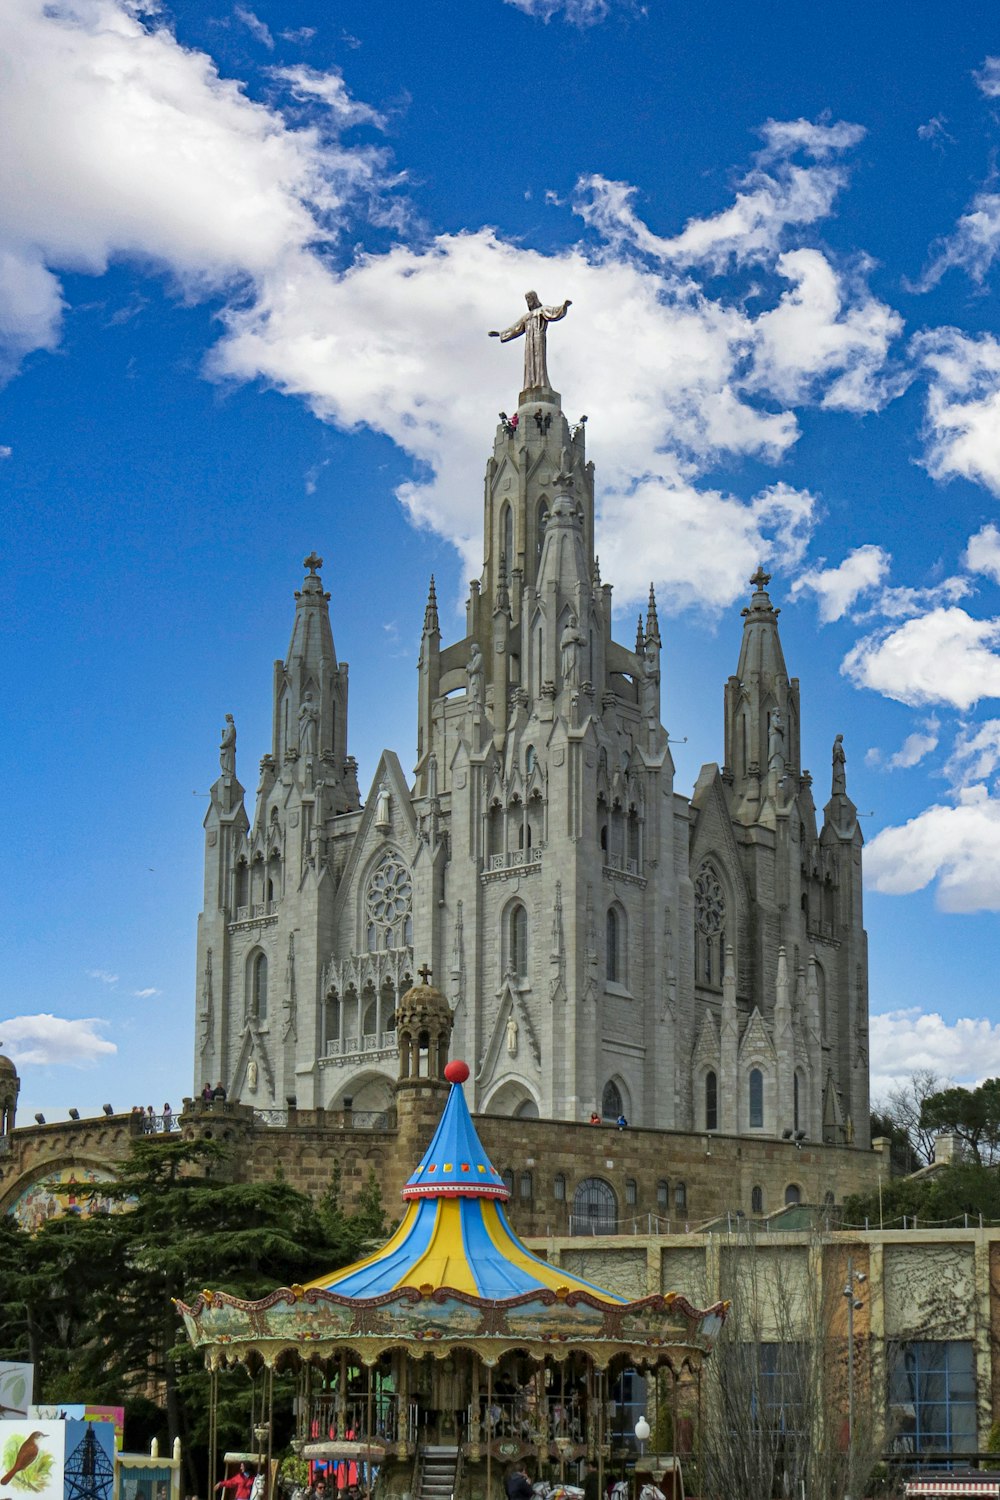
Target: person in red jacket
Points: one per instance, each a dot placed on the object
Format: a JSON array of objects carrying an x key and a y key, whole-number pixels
[{"x": 241, "y": 1483}]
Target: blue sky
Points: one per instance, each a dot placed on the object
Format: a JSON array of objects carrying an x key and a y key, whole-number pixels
[{"x": 248, "y": 259}]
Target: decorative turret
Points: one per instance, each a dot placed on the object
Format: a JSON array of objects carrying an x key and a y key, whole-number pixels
[
  {"x": 10, "y": 1087},
  {"x": 423, "y": 1033},
  {"x": 761, "y": 710}
]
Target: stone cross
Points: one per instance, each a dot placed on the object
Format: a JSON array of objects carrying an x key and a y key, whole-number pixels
[
  {"x": 425, "y": 974},
  {"x": 312, "y": 562}
]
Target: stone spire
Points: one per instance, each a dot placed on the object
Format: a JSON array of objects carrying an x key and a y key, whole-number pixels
[
  {"x": 310, "y": 693},
  {"x": 640, "y": 637},
  {"x": 761, "y": 707},
  {"x": 729, "y": 1040},
  {"x": 652, "y": 623},
  {"x": 431, "y": 622}
]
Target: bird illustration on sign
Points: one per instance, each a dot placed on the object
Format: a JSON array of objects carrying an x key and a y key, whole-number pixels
[{"x": 31, "y": 1461}]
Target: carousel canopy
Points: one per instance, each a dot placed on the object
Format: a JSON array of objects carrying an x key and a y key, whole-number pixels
[
  {"x": 454, "y": 1274},
  {"x": 455, "y": 1232}
]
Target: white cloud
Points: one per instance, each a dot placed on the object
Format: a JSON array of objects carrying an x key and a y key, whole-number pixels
[
  {"x": 330, "y": 89},
  {"x": 944, "y": 656},
  {"x": 256, "y": 27},
  {"x": 147, "y": 993},
  {"x": 898, "y": 603},
  {"x": 915, "y": 747},
  {"x": 576, "y": 12},
  {"x": 962, "y": 425},
  {"x": 776, "y": 193},
  {"x": 972, "y": 245},
  {"x": 904, "y": 1041},
  {"x": 975, "y": 754},
  {"x": 47, "y": 1040},
  {"x": 988, "y": 77},
  {"x": 103, "y": 975},
  {"x": 119, "y": 142},
  {"x": 5, "y": 450},
  {"x": 935, "y": 132},
  {"x": 837, "y": 588},
  {"x": 983, "y": 553},
  {"x": 956, "y": 847}
]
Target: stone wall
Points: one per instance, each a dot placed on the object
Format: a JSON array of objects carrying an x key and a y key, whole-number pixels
[{"x": 547, "y": 1160}]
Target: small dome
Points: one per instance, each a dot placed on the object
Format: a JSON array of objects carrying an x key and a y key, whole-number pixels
[{"x": 6, "y": 1065}]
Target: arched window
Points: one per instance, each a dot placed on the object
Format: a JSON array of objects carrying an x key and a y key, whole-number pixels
[
  {"x": 710, "y": 927},
  {"x": 594, "y": 1208},
  {"x": 757, "y": 1200},
  {"x": 611, "y": 1101},
  {"x": 663, "y": 1194},
  {"x": 529, "y": 760},
  {"x": 631, "y": 1192},
  {"x": 633, "y": 841},
  {"x": 258, "y": 987},
  {"x": 517, "y": 941},
  {"x": 508, "y": 1178},
  {"x": 495, "y": 829},
  {"x": 798, "y": 1100},
  {"x": 369, "y": 1023},
  {"x": 680, "y": 1197},
  {"x": 507, "y": 539},
  {"x": 793, "y": 1194},
  {"x": 242, "y": 884},
  {"x": 614, "y": 963},
  {"x": 711, "y": 1102},
  {"x": 559, "y": 1188},
  {"x": 524, "y": 1187},
  {"x": 388, "y": 899},
  {"x": 332, "y": 1018},
  {"x": 756, "y": 1099}
]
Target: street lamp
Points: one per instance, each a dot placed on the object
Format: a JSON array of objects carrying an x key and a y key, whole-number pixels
[
  {"x": 642, "y": 1433},
  {"x": 854, "y": 1304}
]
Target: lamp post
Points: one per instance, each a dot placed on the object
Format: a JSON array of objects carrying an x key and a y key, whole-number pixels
[
  {"x": 642, "y": 1433},
  {"x": 854, "y": 1304}
]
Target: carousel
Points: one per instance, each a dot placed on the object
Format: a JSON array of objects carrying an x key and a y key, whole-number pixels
[{"x": 453, "y": 1347}]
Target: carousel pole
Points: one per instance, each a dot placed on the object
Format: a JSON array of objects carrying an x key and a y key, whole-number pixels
[
  {"x": 270, "y": 1427},
  {"x": 489, "y": 1432},
  {"x": 213, "y": 1425},
  {"x": 368, "y": 1439},
  {"x": 599, "y": 1388}
]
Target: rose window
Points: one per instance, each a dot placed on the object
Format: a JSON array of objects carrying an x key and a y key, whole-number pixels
[
  {"x": 390, "y": 892},
  {"x": 709, "y": 902}
]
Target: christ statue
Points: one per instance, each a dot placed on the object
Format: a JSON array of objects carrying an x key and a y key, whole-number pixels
[{"x": 533, "y": 324}]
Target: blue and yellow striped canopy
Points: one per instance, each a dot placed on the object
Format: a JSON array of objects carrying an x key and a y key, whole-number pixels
[{"x": 455, "y": 1232}]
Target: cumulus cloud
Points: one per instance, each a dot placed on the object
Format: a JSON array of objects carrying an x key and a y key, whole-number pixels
[
  {"x": 776, "y": 193},
  {"x": 972, "y": 245},
  {"x": 907, "y": 1040},
  {"x": 957, "y": 848},
  {"x": 944, "y": 656},
  {"x": 988, "y": 77},
  {"x": 122, "y": 143},
  {"x": 47, "y": 1040},
  {"x": 962, "y": 421},
  {"x": 837, "y": 588},
  {"x": 975, "y": 754},
  {"x": 982, "y": 555},
  {"x": 103, "y": 975},
  {"x": 899, "y": 602},
  {"x": 912, "y": 751}
]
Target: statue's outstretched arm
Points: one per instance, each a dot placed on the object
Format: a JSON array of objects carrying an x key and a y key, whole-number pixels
[
  {"x": 513, "y": 332},
  {"x": 553, "y": 314}
]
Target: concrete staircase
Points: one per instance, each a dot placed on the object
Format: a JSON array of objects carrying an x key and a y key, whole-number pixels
[{"x": 437, "y": 1474}]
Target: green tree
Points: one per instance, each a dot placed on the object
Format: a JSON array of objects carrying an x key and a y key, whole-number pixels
[
  {"x": 92, "y": 1298},
  {"x": 971, "y": 1114},
  {"x": 944, "y": 1195}
]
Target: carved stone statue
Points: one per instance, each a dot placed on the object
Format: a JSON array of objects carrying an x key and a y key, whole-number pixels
[
  {"x": 533, "y": 325},
  {"x": 512, "y": 1036},
  {"x": 308, "y": 725},
  {"x": 839, "y": 767},
  {"x": 649, "y": 687},
  {"x": 227, "y": 750},
  {"x": 776, "y": 739},
  {"x": 475, "y": 671},
  {"x": 571, "y": 644},
  {"x": 252, "y": 1075},
  {"x": 382, "y": 805}
]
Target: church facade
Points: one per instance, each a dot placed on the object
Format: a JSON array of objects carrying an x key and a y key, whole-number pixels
[{"x": 608, "y": 945}]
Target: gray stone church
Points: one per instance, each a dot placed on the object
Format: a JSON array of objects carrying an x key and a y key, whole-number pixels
[{"x": 608, "y": 944}]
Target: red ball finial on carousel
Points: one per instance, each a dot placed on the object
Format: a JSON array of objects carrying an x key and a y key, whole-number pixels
[{"x": 457, "y": 1071}]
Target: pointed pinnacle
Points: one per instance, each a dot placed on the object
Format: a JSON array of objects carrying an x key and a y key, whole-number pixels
[
  {"x": 431, "y": 622},
  {"x": 652, "y": 623},
  {"x": 640, "y": 637},
  {"x": 597, "y": 571}
]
